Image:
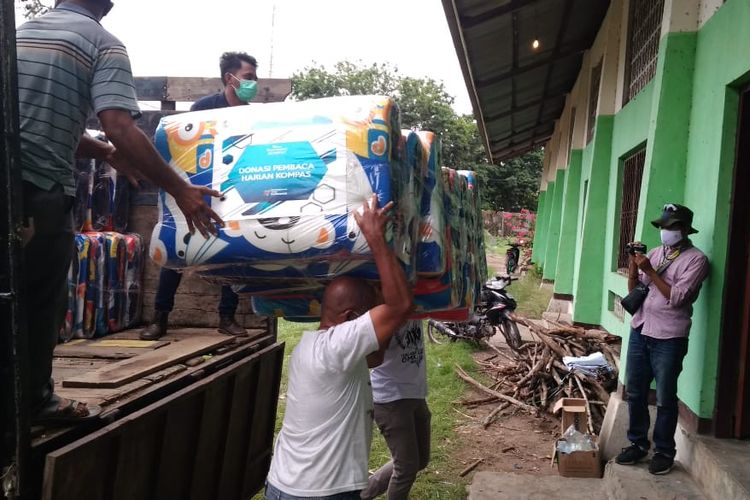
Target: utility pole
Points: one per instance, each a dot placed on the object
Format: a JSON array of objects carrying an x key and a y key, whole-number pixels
[{"x": 273, "y": 32}]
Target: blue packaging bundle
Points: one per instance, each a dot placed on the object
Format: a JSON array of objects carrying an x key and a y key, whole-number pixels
[
  {"x": 292, "y": 175},
  {"x": 431, "y": 257},
  {"x": 449, "y": 296},
  {"x": 102, "y": 197},
  {"x": 104, "y": 287},
  {"x": 301, "y": 306},
  {"x": 134, "y": 265}
]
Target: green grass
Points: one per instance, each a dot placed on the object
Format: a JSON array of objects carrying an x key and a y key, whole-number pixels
[
  {"x": 532, "y": 299},
  {"x": 440, "y": 479}
]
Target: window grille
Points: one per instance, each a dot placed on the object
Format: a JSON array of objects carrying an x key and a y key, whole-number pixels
[
  {"x": 631, "y": 194},
  {"x": 596, "y": 78},
  {"x": 644, "y": 31},
  {"x": 570, "y": 132}
]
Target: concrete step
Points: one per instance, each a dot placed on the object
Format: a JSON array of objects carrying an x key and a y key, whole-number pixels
[
  {"x": 720, "y": 466},
  {"x": 511, "y": 486},
  {"x": 633, "y": 482}
]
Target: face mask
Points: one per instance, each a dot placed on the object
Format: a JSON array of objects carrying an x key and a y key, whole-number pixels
[
  {"x": 671, "y": 237},
  {"x": 247, "y": 89}
]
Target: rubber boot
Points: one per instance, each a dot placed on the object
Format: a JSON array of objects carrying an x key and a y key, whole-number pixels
[
  {"x": 157, "y": 328},
  {"x": 228, "y": 326}
]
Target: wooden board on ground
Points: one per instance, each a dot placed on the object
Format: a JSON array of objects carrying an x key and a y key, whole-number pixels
[
  {"x": 107, "y": 348},
  {"x": 122, "y": 372}
]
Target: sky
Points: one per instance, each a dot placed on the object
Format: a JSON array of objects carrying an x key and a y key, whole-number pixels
[{"x": 186, "y": 37}]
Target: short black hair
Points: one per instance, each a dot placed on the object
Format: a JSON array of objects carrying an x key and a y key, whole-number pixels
[{"x": 232, "y": 61}]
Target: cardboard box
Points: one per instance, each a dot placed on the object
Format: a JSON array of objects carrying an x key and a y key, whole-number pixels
[
  {"x": 577, "y": 463},
  {"x": 580, "y": 464},
  {"x": 573, "y": 413}
]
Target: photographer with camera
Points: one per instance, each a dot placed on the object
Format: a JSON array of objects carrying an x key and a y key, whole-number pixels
[{"x": 663, "y": 285}]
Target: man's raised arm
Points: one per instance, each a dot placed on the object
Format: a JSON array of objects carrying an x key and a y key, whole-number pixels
[{"x": 398, "y": 302}]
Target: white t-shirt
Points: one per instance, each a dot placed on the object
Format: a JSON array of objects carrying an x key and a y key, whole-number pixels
[
  {"x": 403, "y": 374},
  {"x": 324, "y": 443}
]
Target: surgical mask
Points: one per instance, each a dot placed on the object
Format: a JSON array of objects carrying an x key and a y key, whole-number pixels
[
  {"x": 671, "y": 237},
  {"x": 247, "y": 89}
]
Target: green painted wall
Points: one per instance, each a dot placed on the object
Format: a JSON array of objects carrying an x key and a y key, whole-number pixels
[
  {"x": 544, "y": 223},
  {"x": 566, "y": 249},
  {"x": 722, "y": 67},
  {"x": 630, "y": 132},
  {"x": 687, "y": 119},
  {"x": 588, "y": 290},
  {"x": 553, "y": 233},
  {"x": 539, "y": 229},
  {"x": 586, "y": 157}
]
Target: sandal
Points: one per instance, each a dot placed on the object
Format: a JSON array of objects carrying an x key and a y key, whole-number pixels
[{"x": 70, "y": 413}]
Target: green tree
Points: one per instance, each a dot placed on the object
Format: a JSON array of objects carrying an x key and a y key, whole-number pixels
[
  {"x": 513, "y": 184},
  {"x": 34, "y": 8},
  {"x": 426, "y": 105}
]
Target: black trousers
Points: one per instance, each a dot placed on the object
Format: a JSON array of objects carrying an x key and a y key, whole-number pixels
[{"x": 48, "y": 218}]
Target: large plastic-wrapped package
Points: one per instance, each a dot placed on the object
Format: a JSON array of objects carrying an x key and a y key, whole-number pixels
[
  {"x": 84, "y": 171},
  {"x": 104, "y": 284},
  {"x": 114, "y": 282},
  {"x": 134, "y": 264},
  {"x": 80, "y": 281},
  {"x": 431, "y": 254},
  {"x": 300, "y": 306},
  {"x": 292, "y": 175},
  {"x": 102, "y": 195}
]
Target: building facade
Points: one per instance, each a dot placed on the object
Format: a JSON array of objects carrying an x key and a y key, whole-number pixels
[{"x": 658, "y": 114}]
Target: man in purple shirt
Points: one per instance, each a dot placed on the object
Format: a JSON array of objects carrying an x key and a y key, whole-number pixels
[{"x": 659, "y": 332}]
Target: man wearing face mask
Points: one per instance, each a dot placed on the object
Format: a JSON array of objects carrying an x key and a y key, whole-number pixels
[
  {"x": 659, "y": 332},
  {"x": 68, "y": 66},
  {"x": 240, "y": 86}
]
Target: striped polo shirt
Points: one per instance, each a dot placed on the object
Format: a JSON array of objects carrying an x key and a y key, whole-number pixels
[{"x": 68, "y": 65}]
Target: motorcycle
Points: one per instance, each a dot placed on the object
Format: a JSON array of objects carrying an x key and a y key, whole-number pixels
[
  {"x": 512, "y": 257},
  {"x": 493, "y": 312}
]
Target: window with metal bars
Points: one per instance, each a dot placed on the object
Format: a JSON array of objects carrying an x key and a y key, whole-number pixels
[
  {"x": 570, "y": 132},
  {"x": 596, "y": 78},
  {"x": 644, "y": 31},
  {"x": 632, "y": 174}
]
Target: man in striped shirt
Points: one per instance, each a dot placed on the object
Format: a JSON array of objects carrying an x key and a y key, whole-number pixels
[{"x": 68, "y": 66}]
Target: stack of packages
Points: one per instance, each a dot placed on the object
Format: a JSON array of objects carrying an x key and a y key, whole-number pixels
[
  {"x": 292, "y": 175},
  {"x": 104, "y": 280}
]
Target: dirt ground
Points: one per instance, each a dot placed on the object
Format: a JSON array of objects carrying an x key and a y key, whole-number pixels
[{"x": 514, "y": 442}]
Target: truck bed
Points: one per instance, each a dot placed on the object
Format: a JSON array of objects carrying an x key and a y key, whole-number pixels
[{"x": 150, "y": 390}]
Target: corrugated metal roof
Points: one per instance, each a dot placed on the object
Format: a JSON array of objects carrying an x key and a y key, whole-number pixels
[{"x": 518, "y": 91}]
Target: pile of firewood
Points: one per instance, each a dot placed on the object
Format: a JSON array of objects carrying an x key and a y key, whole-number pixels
[{"x": 534, "y": 378}]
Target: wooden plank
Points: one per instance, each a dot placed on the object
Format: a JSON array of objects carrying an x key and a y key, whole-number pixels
[
  {"x": 137, "y": 449},
  {"x": 263, "y": 422},
  {"x": 239, "y": 428},
  {"x": 122, "y": 372},
  {"x": 171, "y": 88},
  {"x": 106, "y": 348},
  {"x": 177, "y": 450},
  {"x": 210, "y": 440},
  {"x": 63, "y": 473}
]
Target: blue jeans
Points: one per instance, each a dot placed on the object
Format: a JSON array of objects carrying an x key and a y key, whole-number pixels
[
  {"x": 649, "y": 359},
  {"x": 273, "y": 493},
  {"x": 169, "y": 280}
]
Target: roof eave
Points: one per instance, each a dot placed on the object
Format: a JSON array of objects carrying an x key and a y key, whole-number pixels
[{"x": 454, "y": 24}]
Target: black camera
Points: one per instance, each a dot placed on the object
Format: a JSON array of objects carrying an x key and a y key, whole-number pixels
[{"x": 636, "y": 247}]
